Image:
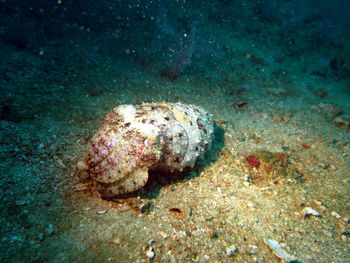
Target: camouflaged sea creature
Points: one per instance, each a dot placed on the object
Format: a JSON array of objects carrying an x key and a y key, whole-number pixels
[{"x": 134, "y": 139}]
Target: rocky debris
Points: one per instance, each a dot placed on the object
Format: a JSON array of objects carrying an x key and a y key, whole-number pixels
[
  {"x": 150, "y": 254},
  {"x": 267, "y": 167},
  {"x": 308, "y": 211},
  {"x": 253, "y": 250},
  {"x": 336, "y": 215},
  {"x": 101, "y": 212},
  {"x": 231, "y": 250},
  {"x": 278, "y": 250},
  {"x": 342, "y": 122}
]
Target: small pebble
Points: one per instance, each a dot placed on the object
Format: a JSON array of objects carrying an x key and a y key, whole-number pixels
[
  {"x": 116, "y": 241},
  {"x": 49, "y": 230},
  {"x": 308, "y": 211},
  {"x": 241, "y": 224},
  {"x": 318, "y": 202},
  {"x": 278, "y": 250},
  {"x": 150, "y": 253},
  {"x": 332, "y": 167},
  {"x": 230, "y": 251},
  {"x": 206, "y": 257},
  {"x": 250, "y": 204},
  {"x": 253, "y": 250},
  {"x": 345, "y": 219},
  {"x": 163, "y": 234},
  {"x": 101, "y": 212},
  {"x": 335, "y": 214}
]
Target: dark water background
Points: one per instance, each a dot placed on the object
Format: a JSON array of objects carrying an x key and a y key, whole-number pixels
[{"x": 178, "y": 33}]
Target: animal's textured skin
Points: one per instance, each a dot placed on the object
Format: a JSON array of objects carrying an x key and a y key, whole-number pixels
[{"x": 137, "y": 138}]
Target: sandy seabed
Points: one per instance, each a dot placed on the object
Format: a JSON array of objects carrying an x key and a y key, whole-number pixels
[{"x": 229, "y": 209}]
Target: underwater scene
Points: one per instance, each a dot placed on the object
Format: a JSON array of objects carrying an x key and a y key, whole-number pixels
[{"x": 175, "y": 131}]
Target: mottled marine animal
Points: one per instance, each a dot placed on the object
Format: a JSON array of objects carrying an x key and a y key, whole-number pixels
[{"x": 134, "y": 139}]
